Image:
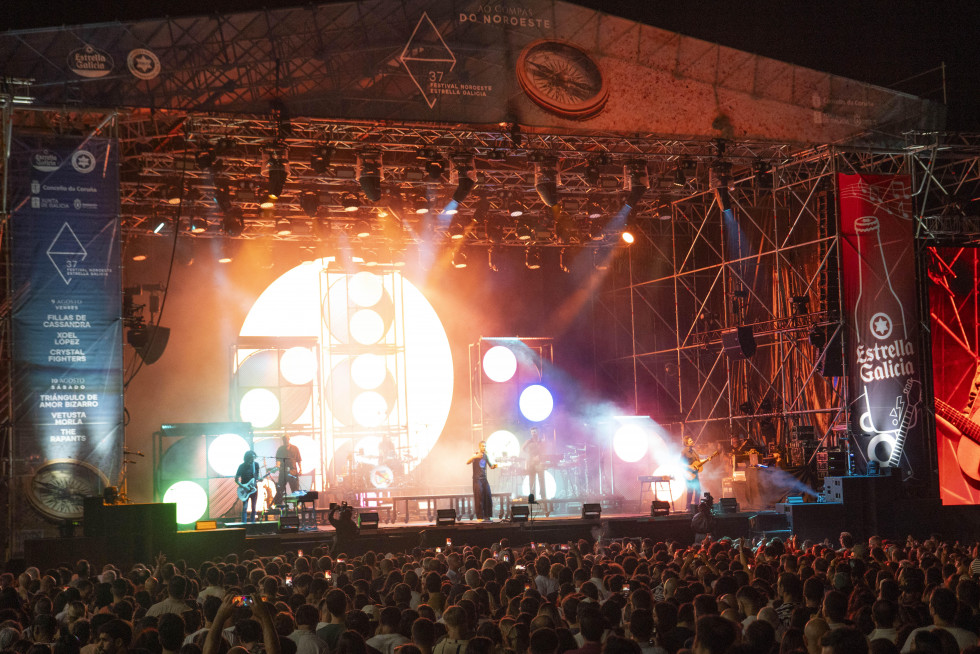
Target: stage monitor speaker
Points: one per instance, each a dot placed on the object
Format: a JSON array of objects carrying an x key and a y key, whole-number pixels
[
  {"x": 765, "y": 521},
  {"x": 591, "y": 511},
  {"x": 368, "y": 520},
  {"x": 729, "y": 505},
  {"x": 445, "y": 517},
  {"x": 659, "y": 508},
  {"x": 288, "y": 524},
  {"x": 205, "y": 525},
  {"x": 738, "y": 343},
  {"x": 520, "y": 513}
]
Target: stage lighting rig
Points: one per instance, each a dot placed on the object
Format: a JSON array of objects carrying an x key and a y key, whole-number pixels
[
  {"x": 546, "y": 178},
  {"x": 593, "y": 168},
  {"x": 532, "y": 258},
  {"x": 309, "y": 202},
  {"x": 350, "y": 201},
  {"x": 637, "y": 180},
  {"x": 432, "y": 163},
  {"x": 320, "y": 158},
  {"x": 369, "y": 174},
  {"x": 277, "y": 175},
  {"x": 233, "y": 222},
  {"x": 459, "y": 258},
  {"x": 463, "y": 176}
]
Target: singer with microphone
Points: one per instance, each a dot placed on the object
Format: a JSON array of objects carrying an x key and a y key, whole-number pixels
[{"x": 482, "y": 498}]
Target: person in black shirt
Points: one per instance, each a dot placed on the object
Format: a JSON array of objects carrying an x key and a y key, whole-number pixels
[
  {"x": 346, "y": 528},
  {"x": 482, "y": 498},
  {"x": 247, "y": 479},
  {"x": 290, "y": 468}
]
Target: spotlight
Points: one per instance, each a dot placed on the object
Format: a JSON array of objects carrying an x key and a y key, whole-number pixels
[
  {"x": 205, "y": 158},
  {"x": 320, "y": 158},
  {"x": 277, "y": 176},
  {"x": 246, "y": 192},
  {"x": 457, "y": 228},
  {"x": 491, "y": 264},
  {"x": 564, "y": 228},
  {"x": 421, "y": 204},
  {"x": 515, "y": 208},
  {"x": 593, "y": 210},
  {"x": 720, "y": 181},
  {"x": 173, "y": 194},
  {"x": 223, "y": 196},
  {"x": 369, "y": 174},
  {"x": 432, "y": 163},
  {"x": 225, "y": 252},
  {"x": 532, "y": 258},
  {"x": 284, "y": 226},
  {"x": 309, "y": 202},
  {"x": 138, "y": 251},
  {"x": 350, "y": 201},
  {"x": 233, "y": 222},
  {"x": 362, "y": 229},
  {"x": 686, "y": 170},
  {"x": 628, "y": 237},
  {"x": 463, "y": 175},
  {"x": 546, "y": 181},
  {"x": 160, "y": 224},
  {"x": 593, "y": 169},
  {"x": 495, "y": 229},
  {"x": 197, "y": 224},
  {"x": 459, "y": 258},
  {"x": 596, "y": 229},
  {"x": 637, "y": 180},
  {"x": 524, "y": 231}
]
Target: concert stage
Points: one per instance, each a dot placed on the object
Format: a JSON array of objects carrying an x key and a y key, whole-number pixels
[{"x": 814, "y": 521}]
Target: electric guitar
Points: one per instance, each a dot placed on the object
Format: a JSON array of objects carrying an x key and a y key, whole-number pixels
[
  {"x": 968, "y": 448},
  {"x": 694, "y": 469},
  {"x": 247, "y": 489}
]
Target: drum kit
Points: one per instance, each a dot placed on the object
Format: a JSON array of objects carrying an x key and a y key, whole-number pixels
[
  {"x": 567, "y": 466},
  {"x": 380, "y": 472}
]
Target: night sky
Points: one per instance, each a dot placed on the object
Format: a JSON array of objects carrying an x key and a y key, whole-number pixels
[{"x": 899, "y": 44}]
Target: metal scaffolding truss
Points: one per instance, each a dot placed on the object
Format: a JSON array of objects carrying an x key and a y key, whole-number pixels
[
  {"x": 770, "y": 266},
  {"x": 161, "y": 152}
]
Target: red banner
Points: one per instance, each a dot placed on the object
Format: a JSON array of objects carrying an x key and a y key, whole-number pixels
[
  {"x": 955, "y": 328},
  {"x": 878, "y": 274}
]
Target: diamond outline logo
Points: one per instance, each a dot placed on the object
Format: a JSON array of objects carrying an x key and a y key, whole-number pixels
[
  {"x": 422, "y": 53},
  {"x": 65, "y": 252}
]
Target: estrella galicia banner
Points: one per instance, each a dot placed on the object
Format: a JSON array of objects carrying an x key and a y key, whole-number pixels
[
  {"x": 878, "y": 264},
  {"x": 66, "y": 317}
]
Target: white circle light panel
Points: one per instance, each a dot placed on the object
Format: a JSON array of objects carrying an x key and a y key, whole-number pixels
[
  {"x": 630, "y": 443},
  {"x": 503, "y": 444},
  {"x": 536, "y": 403},
  {"x": 367, "y": 327},
  {"x": 499, "y": 363},
  {"x": 225, "y": 453},
  {"x": 368, "y": 371},
  {"x": 298, "y": 365},
  {"x": 191, "y": 501},
  {"x": 259, "y": 406},
  {"x": 366, "y": 289},
  {"x": 293, "y": 305}
]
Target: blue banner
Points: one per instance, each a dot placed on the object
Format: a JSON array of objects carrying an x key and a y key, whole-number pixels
[{"x": 67, "y": 323}]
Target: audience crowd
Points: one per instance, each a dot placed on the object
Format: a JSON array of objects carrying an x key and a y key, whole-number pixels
[{"x": 611, "y": 597}]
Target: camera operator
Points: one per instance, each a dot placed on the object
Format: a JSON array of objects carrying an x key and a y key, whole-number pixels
[
  {"x": 346, "y": 528},
  {"x": 703, "y": 521}
]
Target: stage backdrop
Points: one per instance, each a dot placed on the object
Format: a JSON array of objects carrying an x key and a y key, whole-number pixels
[
  {"x": 541, "y": 63},
  {"x": 956, "y": 370},
  {"x": 878, "y": 274},
  {"x": 66, "y": 318}
]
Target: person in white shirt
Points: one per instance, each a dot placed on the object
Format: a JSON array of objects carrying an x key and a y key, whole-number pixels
[
  {"x": 885, "y": 616},
  {"x": 942, "y": 608},
  {"x": 307, "y": 642},
  {"x": 387, "y": 638}
]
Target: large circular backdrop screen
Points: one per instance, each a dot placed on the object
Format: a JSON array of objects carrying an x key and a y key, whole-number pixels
[{"x": 385, "y": 360}]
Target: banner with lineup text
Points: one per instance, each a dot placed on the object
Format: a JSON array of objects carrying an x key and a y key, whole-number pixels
[{"x": 67, "y": 323}]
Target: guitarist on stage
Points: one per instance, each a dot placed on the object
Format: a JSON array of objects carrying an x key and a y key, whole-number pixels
[
  {"x": 693, "y": 460},
  {"x": 247, "y": 480}
]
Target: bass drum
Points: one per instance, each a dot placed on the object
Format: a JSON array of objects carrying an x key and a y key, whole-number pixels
[{"x": 381, "y": 477}]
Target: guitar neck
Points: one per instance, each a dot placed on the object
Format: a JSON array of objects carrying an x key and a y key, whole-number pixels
[{"x": 966, "y": 426}]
